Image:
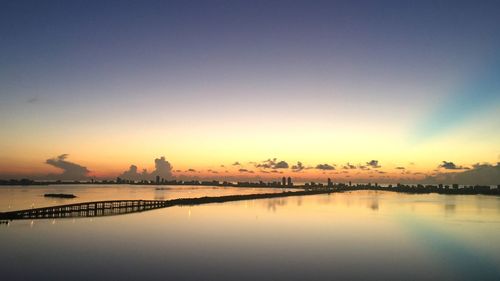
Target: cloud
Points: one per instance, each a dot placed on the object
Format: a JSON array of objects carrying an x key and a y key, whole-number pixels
[
  {"x": 245, "y": 171},
  {"x": 163, "y": 169},
  {"x": 349, "y": 166},
  {"x": 131, "y": 174},
  {"x": 191, "y": 170},
  {"x": 236, "y": 163},
  {"x": 450, "y": 166},
  {"x": 33, "y": 100},
  {"x": 374, "y": 164},
  {"x": 272, "y": 164},
  {"x": 299, "y": 167},
  {"x": 325, "y": 167},
  {"x": 281, "y": 165},
  {"x": 70, "y": 170},
  {"x": 482, "y": 174},
  {"x": 400, "y": 168}
]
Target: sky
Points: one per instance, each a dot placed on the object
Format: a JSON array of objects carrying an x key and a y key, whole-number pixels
[{"x": 353, "y": 90}]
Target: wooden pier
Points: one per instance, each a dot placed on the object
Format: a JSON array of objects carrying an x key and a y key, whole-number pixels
[
  {"x": 86, "y": 209},
  {"x": 119, "y": 207}
]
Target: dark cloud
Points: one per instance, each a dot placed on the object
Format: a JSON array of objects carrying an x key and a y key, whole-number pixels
[
  {"x": 349, "y": 166},
  {"x": 325, "y": 167},
  {"x": 482, "y": 174},
  {"x": 374, "y": 164},
  {"x": 191, "y": 170},
  {"x": 281, "y": 165},
  {"x": 400, "y": 168},
  {"x": 245, "y": 171},
  {"x": 299, "y": 167},
  {"x": 236, "y": 163},
  {"x": 450, "y": 166},
  {"x": 272, "y": 164},
  {"x": 70, "y": 170}
]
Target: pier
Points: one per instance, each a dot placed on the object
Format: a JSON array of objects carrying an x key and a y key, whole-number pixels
[
  {"x": 85, "y": 209},
  {"x": 119, "y": 207}
]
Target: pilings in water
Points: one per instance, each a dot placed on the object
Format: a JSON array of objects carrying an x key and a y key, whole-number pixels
[
  {"x": 118, "y": 207},
  {"x": 86, "y": 209}
]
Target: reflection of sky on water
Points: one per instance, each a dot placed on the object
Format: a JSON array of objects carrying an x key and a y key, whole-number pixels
[
  {"x": 17, "y": 197},
  {"x": 326, "y": 237},
  {"x": 466, "y": 262}
]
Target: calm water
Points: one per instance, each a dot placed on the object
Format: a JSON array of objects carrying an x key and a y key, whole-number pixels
[
  {"x": 362, "y": 235},
  {"x": 17, "y": 197}
]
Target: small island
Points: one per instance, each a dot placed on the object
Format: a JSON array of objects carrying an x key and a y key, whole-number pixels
[{"x": 59, "y": 195}]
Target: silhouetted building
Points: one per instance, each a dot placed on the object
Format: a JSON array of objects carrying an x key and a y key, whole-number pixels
[
  {"x": 157, "y": 179},
  {"x": 283, "y": 181},
  {"x": 330, "y": 184},
  {"x": 289, "y": 181}
]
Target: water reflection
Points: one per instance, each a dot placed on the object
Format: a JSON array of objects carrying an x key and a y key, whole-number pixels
[
  {"x": 24, "y": 197},
  {"x": 321, "y": 237},
  {"x": 273, "y": 204}
]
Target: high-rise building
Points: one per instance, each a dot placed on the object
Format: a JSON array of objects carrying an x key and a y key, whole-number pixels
[
  {"x": 289, "y": 181},
  {"x": 330, "y": 184},
  {"x": 283, "y": 181}
]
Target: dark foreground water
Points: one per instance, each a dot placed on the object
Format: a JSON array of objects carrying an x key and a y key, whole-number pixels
[{"x": 356, "y": 235}]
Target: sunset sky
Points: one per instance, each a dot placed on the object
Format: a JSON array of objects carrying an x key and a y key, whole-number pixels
[{"x": 412, "y": 85}]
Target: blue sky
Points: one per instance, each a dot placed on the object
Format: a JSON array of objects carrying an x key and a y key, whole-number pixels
[{"x": 412, "y": 71}]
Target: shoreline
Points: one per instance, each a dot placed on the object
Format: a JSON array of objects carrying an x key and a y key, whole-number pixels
[{"x": 453, "y": 189}]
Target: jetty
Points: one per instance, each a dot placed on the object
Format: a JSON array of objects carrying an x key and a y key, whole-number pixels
[{"x": 119, "y": 207}]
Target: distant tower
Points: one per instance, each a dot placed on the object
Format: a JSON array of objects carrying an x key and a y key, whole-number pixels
[
  {"x": 157, "y": 179},
  {"x": 283, "y": 181},
  {"x": 289, "y": 181},
  {"x": 330, "y": 184}
]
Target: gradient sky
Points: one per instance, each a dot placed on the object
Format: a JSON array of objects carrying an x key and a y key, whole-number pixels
[{"x": 112, "y": 83}]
